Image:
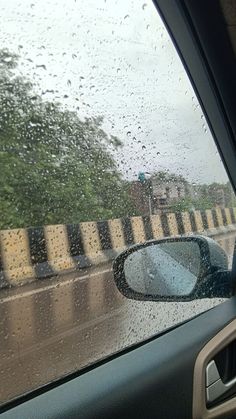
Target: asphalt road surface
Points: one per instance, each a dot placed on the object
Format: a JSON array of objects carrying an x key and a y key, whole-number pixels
[{"x": 52, "y": 328}]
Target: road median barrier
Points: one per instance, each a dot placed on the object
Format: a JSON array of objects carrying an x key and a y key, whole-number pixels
[{"x": 32, "y": 254}]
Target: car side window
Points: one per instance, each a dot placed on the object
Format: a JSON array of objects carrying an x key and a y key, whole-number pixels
[{"x": 103, "y": 145}]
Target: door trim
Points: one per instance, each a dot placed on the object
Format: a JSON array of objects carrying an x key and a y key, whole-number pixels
[{"x": 215, "y": 345}]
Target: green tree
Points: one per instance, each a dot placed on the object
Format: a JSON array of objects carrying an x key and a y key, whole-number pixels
[
  {"x": 55, "y": 168},
  {"x": 189, "y": 204}
]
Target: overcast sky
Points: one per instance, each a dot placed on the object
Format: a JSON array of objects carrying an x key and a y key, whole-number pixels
[{"x": 114, "y": 58}]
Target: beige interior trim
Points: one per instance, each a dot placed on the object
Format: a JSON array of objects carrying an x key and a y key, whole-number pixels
[{"x": 200, "y": 411}]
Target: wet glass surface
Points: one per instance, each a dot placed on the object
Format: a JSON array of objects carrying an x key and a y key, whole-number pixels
[{"x": 102, "y": 145}]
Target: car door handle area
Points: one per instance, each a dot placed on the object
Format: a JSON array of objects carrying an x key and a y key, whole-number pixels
[
  {"x": 215, "y": 387},
  {"x": 215, "y": 377}
]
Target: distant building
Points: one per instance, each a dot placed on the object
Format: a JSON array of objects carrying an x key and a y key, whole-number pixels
[
  {"x": 215, "y": 193},
  {"x": 165, "y": 193},
  {"x": 162, "y": 191},
  {"x": 156, "y": 195}
]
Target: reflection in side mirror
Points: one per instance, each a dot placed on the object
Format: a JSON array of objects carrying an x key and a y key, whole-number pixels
[
  {"x": 169, "y": 268},
  {"x": 173, "y": 269}
]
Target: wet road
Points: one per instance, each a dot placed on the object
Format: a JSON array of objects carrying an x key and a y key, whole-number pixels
[{"x": 51, "y": 328}]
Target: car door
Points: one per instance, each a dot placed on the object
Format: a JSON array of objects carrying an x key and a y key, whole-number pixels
[{"x": 118, "y": 358}]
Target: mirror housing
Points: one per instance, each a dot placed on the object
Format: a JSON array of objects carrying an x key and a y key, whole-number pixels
[{"x": 199, "y": 270}]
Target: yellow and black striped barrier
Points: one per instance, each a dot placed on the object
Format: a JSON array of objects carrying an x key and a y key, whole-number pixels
[{"x": 35, "y": 253}]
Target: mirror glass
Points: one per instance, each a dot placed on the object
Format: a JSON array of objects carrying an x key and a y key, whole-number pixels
[{"x": 164, "y": 269}]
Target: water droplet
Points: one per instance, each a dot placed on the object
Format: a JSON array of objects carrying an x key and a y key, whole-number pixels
[
  {"x": 144, "y": 6},
  {"x": 41, "y": 66}
]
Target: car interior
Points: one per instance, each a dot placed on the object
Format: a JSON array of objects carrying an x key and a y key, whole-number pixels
[{"x": 188, "y": 370}]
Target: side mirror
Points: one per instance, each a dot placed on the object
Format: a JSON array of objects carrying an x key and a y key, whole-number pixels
[{"x": 174, "y": 269}]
